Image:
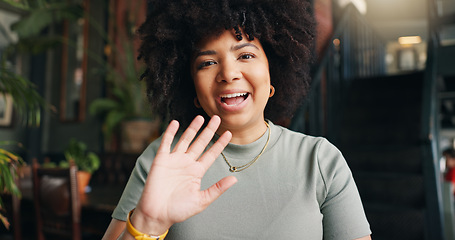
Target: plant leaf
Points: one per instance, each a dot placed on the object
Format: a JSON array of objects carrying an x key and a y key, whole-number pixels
[
  {"x": 18, "y": 4},
  {"x": 102, "y": 106},
  {"x": 41, "y": 18},
  {"x": 26, "y": 99}
]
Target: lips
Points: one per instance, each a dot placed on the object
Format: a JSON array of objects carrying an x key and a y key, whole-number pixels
[{"x": 234, "y": 99}]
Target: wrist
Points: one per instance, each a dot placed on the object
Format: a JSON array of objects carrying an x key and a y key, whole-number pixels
[{"x": 140, "y": 226}]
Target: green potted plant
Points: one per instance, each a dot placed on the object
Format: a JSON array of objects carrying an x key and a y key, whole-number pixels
[
  {"x": 124, "y": 111},
  {"x": 9, "y": 163},
  {"x": 125, "y": 107},
  {"x": 86, "y": 161},
  {"x": 28, "y": 104}
]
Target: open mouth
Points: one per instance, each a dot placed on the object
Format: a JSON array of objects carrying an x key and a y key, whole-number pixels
[{"x": 234, "y": 98}]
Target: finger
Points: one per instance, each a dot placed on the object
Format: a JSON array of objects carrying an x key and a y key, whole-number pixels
[
  {"x": 168, "y": 137},
  {"x": 189, "y": 134},
  {"x": 210, "y": 155},
  {"x": 204, "y": 138},
  {"x": 213, "y": 192}
]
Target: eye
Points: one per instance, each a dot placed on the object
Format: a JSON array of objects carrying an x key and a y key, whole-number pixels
[
  {"x": 206, "y": 64},
  {"x": 247, "y": 56}
]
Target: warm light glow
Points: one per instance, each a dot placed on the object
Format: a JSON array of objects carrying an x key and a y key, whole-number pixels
[
  {"x": 409, "y": 40},
  {"x": 336, "y": 42},
  {"x": 361, "y": 5}
]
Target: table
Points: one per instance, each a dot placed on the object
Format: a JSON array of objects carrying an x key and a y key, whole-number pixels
[
  {"x": 96, "y": 207},
  {"x": 102, "y": 197}
]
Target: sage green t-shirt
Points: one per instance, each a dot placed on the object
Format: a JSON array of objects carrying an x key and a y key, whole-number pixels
[{"x": 299, "y": 188}]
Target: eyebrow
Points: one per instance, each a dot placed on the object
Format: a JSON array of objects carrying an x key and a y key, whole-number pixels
[
  {"x": 234, "y": 48},
  {"x": 203, "y": 53},
  {"x": 237, "y": 47}
]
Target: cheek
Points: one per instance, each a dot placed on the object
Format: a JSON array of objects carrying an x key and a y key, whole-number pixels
[
  {"x": 261, "y": 76},
  {"x": 203, "y": 88},
  {"x": 198, "y": 82}
]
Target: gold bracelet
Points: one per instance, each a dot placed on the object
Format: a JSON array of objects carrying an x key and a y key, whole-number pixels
[{"x": 138, "y": 235}]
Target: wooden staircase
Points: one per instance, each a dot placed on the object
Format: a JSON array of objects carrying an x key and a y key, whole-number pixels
[{"x": 379, "y": 134}]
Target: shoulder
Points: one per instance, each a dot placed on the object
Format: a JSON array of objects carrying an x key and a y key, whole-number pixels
[
  {"x": 318, "y": 152},
  {"x": 293, "y": 139},
  {"x": 312, "y": 152}
]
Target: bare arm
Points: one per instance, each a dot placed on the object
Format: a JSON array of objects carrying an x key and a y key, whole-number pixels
[
  {"x": 175, "y": 176},
  {"x": 364, "y": 238},
  {"x": 116, "y": 227}
]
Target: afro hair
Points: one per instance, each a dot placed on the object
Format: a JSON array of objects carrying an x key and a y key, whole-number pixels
[{"x": 173, "y": 29}]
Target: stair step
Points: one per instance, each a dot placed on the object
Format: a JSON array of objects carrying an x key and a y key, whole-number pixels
[
  {"x": 392, "y": 90},
  {"x": 397, "y": 115},
  {"x": 379, "y": 97},
  {"x": 391, "y": 188},
  {"x": 446, "y": 67},
  {"x": 403, "y": 82},
  {"x": 406, "y": 158},
  {"x": 381, "y": 134},
  {"x": 392, "y": 223}
]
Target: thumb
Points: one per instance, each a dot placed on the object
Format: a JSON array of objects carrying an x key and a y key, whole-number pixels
[{"x": 213, "y": 192}]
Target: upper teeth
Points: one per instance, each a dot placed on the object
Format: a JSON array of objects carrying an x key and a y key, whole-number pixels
[{"x": 233, "y": 95}]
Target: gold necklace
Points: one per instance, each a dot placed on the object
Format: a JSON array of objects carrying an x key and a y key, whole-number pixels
[{"x": 245, "y": 166}]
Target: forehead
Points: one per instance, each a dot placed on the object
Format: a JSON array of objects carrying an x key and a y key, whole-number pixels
[{"x": 225, "y": 38}]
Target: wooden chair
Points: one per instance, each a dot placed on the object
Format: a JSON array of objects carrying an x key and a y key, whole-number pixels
[{"x": 57, "y": 204}]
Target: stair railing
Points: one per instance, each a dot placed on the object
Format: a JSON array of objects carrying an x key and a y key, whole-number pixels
[
  {"x": 430, "y": 148},
  {"x": 431, "y": 123},
  {"x": 353, "y": 51}
]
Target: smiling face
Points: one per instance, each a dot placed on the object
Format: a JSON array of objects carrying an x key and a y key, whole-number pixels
[
  {"x": 232, "y": 80},
  {"x": 450, "y": 161}
]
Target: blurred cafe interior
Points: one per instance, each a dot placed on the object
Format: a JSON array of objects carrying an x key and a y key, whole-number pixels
[{"x": 74, "y": 116}]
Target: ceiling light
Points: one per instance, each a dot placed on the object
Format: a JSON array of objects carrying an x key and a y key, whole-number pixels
[{"x": 409, "y": 40}]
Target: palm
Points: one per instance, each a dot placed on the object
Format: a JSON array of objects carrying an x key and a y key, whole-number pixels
[
  {"x": 172, "y": 192},
  {"x": 182, "y": 176}
]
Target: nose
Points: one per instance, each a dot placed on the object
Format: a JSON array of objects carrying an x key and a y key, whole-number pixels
[{"x": 228, "y": 71}]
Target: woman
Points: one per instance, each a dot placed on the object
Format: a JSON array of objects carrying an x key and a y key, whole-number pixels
[
  {"x": 449, "y": 174},
  {"x": 241, "y": 65}
]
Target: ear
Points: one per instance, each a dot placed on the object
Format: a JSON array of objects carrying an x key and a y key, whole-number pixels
[
  {"x": 196, "y": 102},
  {"x": 272, "y": 91}
]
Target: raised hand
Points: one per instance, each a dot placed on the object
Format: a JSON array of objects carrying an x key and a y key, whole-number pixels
[{"x": 172, "y": 191}]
